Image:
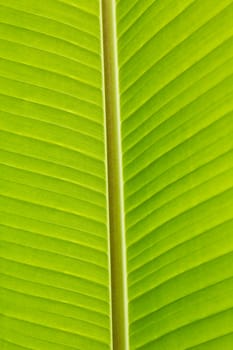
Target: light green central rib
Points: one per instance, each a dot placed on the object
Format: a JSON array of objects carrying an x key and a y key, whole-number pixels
[{"x": 115, "y": 180}]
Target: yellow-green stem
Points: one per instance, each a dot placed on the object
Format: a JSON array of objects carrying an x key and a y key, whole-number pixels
[{"x": 115, "y": 180}]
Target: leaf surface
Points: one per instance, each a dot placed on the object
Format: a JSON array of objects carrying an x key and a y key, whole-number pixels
[
  {"x": 176, "y": 102},
  {"x": 116, "y": 174},
  {"x": 55, "y": 289}
]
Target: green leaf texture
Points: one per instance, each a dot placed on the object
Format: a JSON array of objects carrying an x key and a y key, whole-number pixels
[
  {"x": 54, "y": 235},
  {"x": 168, "y": 83},
  {"x": 176, "y": 101}
]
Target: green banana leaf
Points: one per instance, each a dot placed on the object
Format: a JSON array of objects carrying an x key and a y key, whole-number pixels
[{"x": 116, "y": 174}]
